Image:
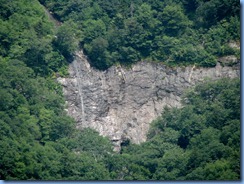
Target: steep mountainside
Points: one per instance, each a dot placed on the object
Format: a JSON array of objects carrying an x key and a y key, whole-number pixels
[
  {"x": 120, "y": 103},
  {"x": 39, "y": 139},
  {"x": 175, "y": 32}
]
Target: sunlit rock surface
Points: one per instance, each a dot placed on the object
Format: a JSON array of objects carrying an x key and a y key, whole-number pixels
[{"x": 121, "y": 103}]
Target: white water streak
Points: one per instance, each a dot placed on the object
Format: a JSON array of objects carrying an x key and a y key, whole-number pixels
[
  {"x": 79, "y": 85},
  {"x": 191, "y": 73}
]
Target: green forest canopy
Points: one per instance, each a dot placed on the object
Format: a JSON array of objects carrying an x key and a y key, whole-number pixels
[
  {"x": 171, "y": 31},
  {"x": 200, "y": 141}
]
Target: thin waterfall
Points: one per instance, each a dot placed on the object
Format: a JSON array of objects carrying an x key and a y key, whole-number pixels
[
  {"x": 79, "y": 85},
  {"x": 189, "y": 79}
]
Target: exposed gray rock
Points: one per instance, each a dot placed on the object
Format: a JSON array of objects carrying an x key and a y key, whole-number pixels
[
  {"x": 121, "y": 103},
  {"x": 228, "y": 60}
]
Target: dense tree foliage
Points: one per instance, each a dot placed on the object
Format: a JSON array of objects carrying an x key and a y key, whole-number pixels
[
  {"x": 38, "y": 141},
  {"x": 169, "y": 31},
  {"x": 200, "y": 141}
]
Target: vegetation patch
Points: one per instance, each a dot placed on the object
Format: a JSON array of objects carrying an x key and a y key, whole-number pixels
[
  {"x": 173, "y": 32},
  {"x": 38, "y": 141}
]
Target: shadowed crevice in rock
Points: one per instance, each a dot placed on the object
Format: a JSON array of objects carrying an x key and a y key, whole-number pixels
[{"x": 121, "y": 103}]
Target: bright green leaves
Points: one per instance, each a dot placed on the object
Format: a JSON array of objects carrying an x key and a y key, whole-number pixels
[
  {"x": 200, "y": 141},
  {"x": 38, "y": 141},
  {"x": 165, "y": 47},
  {"x": 231, "y": 134},
  {"x": 219, "y": 170},
  {"x": 205, "y": 148},
  {"x": 172, "y": 165},
  {"x": 45, "y": 120},
  {"x": 6, "y": 100},
  {"x": 88, "y": 140},
  {"x": 218, "y": 101},
  {"x": 174, "y": 32},
  {"x": 31, "y": 115},
  {"x": 173, "y": 19},
  {"x": 126, "y": 167},
  {"x": 98, "y": 52},
  {"x": 27, "y": 35},
  {"x": 96, "y": 44},
  {"x": 62, "y": 127},
  {"x": 93, "y": 29},
  {"x": 66, "y": 38},
  {"x": 146, "y": 17},
  {"x": 170, "y": 50}
]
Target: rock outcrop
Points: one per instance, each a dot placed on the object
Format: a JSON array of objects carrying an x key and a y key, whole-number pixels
[{"x": 121, "y": 103}]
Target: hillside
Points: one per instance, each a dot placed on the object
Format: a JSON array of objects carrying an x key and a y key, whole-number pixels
[
  {"x": 200, "y": 140},
  {"x": 174, "y": 32},
  {"x": 121, "y": 103}
]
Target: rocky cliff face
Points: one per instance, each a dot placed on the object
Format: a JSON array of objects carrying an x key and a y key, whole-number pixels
[{"x": 121, "y": 103}]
